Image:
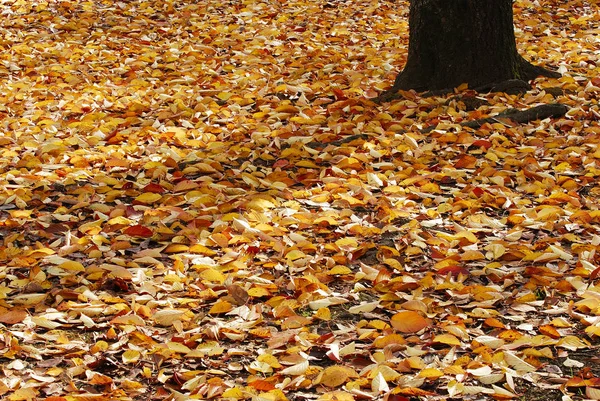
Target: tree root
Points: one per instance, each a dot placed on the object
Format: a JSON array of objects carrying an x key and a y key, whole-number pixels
[
  {"x": 510, "y": 87},
  {"x": 530, "y": 71},
  {"x": 540, "y": 112},
  {"x": 527, "y": 72}
]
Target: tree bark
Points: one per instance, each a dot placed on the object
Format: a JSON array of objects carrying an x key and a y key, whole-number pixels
[{"x": 453, "y": 42}]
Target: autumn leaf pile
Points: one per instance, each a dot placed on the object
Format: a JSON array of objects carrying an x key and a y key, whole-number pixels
[{"x": 200, "y": 200}]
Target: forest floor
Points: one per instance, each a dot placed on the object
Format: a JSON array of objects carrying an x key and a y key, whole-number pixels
[{"x": 200, "y": 200}]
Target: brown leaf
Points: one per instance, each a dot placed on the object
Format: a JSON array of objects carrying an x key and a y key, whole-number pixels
[{"x": 13, "y": 316}]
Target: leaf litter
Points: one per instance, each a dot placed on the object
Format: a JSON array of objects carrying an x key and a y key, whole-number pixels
[{"x": 200, "y": 201}]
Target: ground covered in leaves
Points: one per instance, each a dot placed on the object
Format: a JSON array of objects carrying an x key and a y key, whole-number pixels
[{"x": 199, "y": 200}]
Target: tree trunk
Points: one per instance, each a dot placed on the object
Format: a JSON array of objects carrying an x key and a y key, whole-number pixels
[{"x": 462, "y": 41}]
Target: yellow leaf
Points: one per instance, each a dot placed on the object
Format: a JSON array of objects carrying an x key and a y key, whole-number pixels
[
  {"x": 167, "y": 317},
  {"x": 448, "y": 339},
  {"x": 572, "y": 343},
  {"x": 258, "y": 292},
  {"x": 148, "y": 198},
  {"x": 224, "y": 95},
  {"x": 286, "y": 108},
  {"x": 201, "y": 249},
  {"x": 347, "y": 242},
  {"x": 431, "y": 373},
  {"x": 271, "y": 360},
  {"x": 20, "y": 214},
  {"x": 131, "y": 356},
  {"x": 41, "y": 252},
  {"x": 415, "y": 362},
  {"x": 593, "y": 331},
  {"x": 212, "y": 275},
  {"x": 339, "y": 270},
  {"x": 337, "y": 395},
  {"x": 72, "y": 266},
  {"x": 306, "y": 164},
  {"x": 176, "y": 248},
  {"x": 335, "y": 376},
  {"x": 260, "y": 205},
  {"x": 295, "y": 254},
  {"x": 178, "y": 347},
  {"x": 349, "y": 162},
  {"x": 24, "y": 394},
  {"x": 233, "y": 392},
  {"x": 323, "y": 314},
  {"x": 220, "y": 307}
]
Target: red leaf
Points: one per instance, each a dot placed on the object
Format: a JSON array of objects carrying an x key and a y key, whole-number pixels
[
  {"x": 453, "y": 270},
  {"x": 478, "y": 192},
  {"x": 339, "y": 94},
  {"x": 154, "y": 188},
  {"x": 281, "y": 163},
  {"x": 139, "y": 231},
  {"x": 482, "y": 143}
]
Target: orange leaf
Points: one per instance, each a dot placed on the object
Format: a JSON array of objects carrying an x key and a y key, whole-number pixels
[
  {"x": 261, "y": 385},
  {"x": 408, "y": 322},
  {"x": 384, "y": 341},
  {"x": 184, "y": 186},
  {"x": 100, "y": 379},
  {"x": 493, "y": 322},
  {"x": 550, "y": 331}
]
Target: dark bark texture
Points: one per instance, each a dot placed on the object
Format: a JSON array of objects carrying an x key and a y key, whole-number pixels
[{"x": 462, "y": 41}]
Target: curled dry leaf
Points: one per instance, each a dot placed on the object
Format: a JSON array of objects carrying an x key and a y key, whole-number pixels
[{"x": 295, "y": 370}]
